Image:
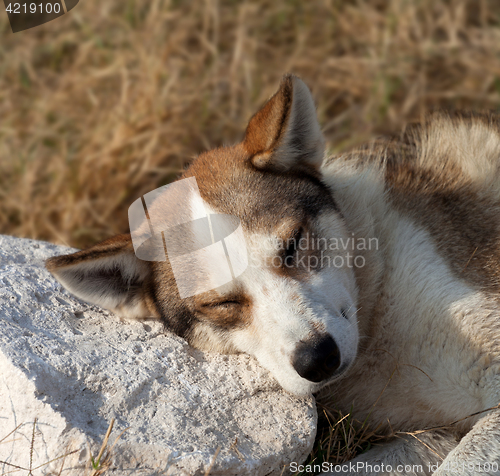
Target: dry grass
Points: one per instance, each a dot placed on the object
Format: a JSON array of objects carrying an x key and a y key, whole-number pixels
[
  {"x": 96, "y": 466},
  {"x": 113, "y": 99},
  {"x": 340, "y": 438}
]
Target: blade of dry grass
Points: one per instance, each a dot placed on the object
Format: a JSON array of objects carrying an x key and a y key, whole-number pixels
[
  {"x": 30, "y": 469},
  {"x": 102, "y": 462}
]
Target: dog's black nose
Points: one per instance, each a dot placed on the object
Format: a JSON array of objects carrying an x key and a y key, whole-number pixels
[{"x": 317, "y": 359}]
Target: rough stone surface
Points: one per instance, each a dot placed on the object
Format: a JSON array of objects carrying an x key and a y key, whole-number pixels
[{"x": 72, "y": 367}]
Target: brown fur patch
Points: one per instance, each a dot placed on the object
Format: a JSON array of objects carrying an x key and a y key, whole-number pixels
[
  {"x": 463, "y": 220},
  {"x": 260, "y": 199},
  {"x": 464, "y": 225},
  {"x": 437, "y": 191},
  {"x": 267, "y": 126},
  {"x": 224, "y": 311}
]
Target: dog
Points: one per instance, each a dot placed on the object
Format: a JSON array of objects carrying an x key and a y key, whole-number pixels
[{"x": 373, "y": 275}]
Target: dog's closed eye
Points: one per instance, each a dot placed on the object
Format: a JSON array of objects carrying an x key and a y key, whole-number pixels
[
  {"x": 229, "y": 313},
  {"x": 226, "y": 304},
  {"x": 230, "y": 303}
]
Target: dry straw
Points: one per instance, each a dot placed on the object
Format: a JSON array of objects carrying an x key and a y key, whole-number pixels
[{"x": 111, "y": 100}]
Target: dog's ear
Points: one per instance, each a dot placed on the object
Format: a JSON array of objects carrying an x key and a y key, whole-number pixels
[
  {"x": 107, "y": 274},
  {"x": 285, "y": 132}
]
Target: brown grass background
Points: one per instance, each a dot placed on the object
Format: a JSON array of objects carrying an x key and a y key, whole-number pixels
[{"x": 111, "y": 100}]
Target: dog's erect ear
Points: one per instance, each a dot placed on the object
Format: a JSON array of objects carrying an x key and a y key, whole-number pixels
[
  {"x": 108, "y": 274},
  {"x": 285, "y": 132}
]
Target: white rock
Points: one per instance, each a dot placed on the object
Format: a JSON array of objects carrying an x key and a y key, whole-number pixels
[{"x": 73, "y": 367}]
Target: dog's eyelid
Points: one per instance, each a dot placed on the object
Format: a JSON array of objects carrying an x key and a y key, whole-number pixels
[{"x": 227, "y": 302}]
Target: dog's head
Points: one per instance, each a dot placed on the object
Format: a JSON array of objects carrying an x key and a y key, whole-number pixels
[{"x": 294, "y": 305}]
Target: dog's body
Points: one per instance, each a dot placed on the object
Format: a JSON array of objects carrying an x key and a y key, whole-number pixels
[
  {"x": 429, "y": 295},
  {"x": 400, "y": 322}
]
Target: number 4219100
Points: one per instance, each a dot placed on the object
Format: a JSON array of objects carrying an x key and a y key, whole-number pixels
[{"x": 33, "y": 8}]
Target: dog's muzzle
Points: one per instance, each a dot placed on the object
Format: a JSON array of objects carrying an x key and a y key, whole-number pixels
[{"x": 317, "y": 359}]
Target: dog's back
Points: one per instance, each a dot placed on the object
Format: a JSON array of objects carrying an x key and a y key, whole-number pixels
[{"x": 429, "y": 296}]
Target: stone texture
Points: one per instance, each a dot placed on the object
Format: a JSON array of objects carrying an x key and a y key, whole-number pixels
[{"x": 74, "y": 367}]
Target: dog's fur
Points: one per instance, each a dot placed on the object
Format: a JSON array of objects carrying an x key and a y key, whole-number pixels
[{"x": 416, "y": 325}]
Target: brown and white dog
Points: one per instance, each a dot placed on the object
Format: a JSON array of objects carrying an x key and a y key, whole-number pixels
[{"x": 375, "y": 273}]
